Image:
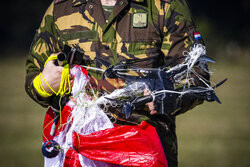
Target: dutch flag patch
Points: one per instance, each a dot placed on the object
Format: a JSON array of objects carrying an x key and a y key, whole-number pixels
[{"x": 197, "y": 36}]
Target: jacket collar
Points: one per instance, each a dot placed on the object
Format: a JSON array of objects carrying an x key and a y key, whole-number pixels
[
  {"x": 79, "y": 2},
  {"x": 138, "y": 0}
]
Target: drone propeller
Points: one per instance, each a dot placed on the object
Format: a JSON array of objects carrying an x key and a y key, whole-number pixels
[
  {"x": 220, "y": 83},
  {"x": 213, "y": 95},
  {"x": 215, "y": 98},
  {"x": 207, "y": 59}
]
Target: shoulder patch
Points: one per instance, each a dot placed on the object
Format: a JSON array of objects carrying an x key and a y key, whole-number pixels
[{"x": 58, "y": 1}]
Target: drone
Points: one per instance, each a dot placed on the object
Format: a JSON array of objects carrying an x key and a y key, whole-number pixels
[
  {"x": 161, "y": 84},
  {"x": 159, "y": 81}
]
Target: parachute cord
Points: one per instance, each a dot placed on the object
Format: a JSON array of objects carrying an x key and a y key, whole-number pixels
[
  {"x": 39, "y": 87},
  {"x": 47, "y": 126},
  {"x": 60, "y": 110},
  {"x": 65, "y": 88}
]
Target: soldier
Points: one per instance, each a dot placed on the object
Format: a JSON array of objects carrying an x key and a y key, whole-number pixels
[{"x": 115, "y": 30}]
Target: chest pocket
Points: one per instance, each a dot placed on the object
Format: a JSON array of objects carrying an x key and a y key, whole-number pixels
[
  {"x": 138, "y": 37},
  {"x": 78, "y": 32},
  {"x": 137, "y": 27},
  {"x": 83, "y": 40},
  {"x": 74, "y": 28},
  {"x": 79, "y": 36},
  {"x": 137, "y": 42}
]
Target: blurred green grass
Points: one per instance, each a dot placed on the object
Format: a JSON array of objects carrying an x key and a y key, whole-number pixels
[
  {"x": 20, "y": 118},
  {"x": 219, "y": 134},
  {"x": 209, "y": 135}
]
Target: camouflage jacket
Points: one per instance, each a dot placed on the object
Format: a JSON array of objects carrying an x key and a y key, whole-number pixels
[{"x": 133, "y": 29}]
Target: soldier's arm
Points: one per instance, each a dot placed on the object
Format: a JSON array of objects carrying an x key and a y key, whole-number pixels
[
  {"x": 179, "y": 31},
  {"x": 45, "y": 42}
]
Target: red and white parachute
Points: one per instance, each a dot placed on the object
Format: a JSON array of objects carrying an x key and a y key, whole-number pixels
[{"x": 82, "y": 135}]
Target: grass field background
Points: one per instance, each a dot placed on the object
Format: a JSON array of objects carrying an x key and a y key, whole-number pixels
[{"x": 209, "y": 135}]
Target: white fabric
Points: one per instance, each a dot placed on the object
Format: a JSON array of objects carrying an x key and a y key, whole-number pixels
[{"x": 86, "y": 118}]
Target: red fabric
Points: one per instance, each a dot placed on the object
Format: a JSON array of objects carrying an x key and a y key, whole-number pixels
[
  {"x": 72, "y": 159},
  {"x": 84, "y": 71},
  {"x": 49, "y": 120},
  {"x": 47, "y": 124},
  {"x": 124, "y": 145}
]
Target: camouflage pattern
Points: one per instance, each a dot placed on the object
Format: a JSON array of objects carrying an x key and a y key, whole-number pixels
[{"x": 133, "y": 29}]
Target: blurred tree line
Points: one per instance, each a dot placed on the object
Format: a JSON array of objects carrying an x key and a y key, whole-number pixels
[{"x": 221, "y": 22}]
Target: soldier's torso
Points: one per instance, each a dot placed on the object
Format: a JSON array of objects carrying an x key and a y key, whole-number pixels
[{"x": 130, "y": 30}]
